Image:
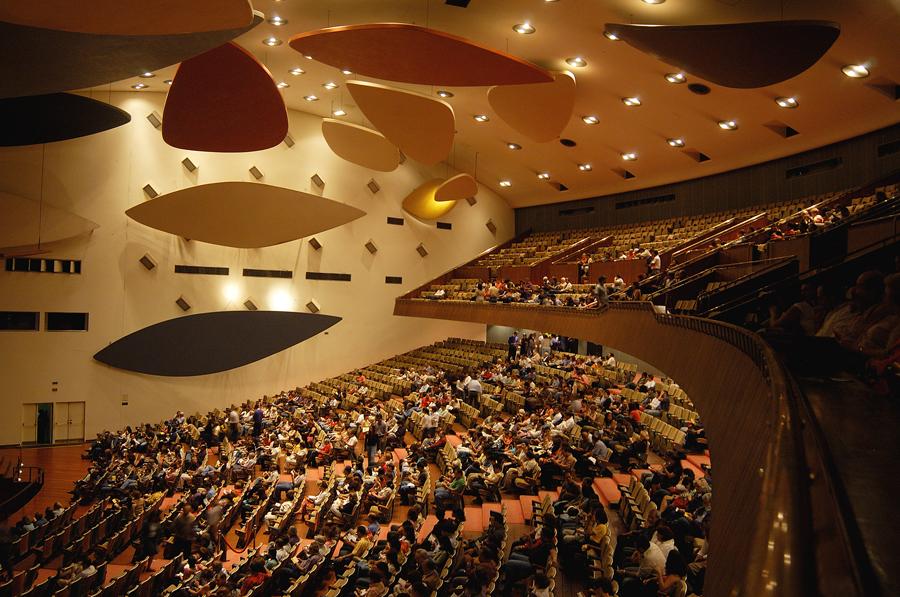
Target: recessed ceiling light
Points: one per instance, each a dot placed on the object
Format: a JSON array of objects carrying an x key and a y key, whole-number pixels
[
  {"x": 728, "y": 125},
  {"x": 676, "y": 78},
  {"x": 787, "y": 102},
  {"x": 296, "y": 71},
  {"x": 505, "y": 183},
  {"x": 140, "y": 86},
  {"x": 282, "y": 85},
  {"x": 147, "y": 75},
  {"x": 513, "y": 146},
  {"x": 629, "y": 157},
  {"x": 585, "y": 167},
  {"x": 272, "y": 41},
  {"x": 856, "y": 71},
  {"x": 444, "y": 93},
  {"x": 677, "y": 142},
  {"x": 168, "y": 81},
  {"x": 278, "y": 21},
  {"x": 339, "y": 112},
  {"x": 631, "y": 101},
  {"x": 310, "y": 98},
  {"x": 543, "y": 176},
  {"x": 347, "y": 71},
  {"x": 576, "y": 61},
  {"x": 590, "y": 119},
  {"x": 307, "y": 56},
  {"x": 610, "y": 36},
  {"x": 653, "y": 1},
  {"x": 525, "y": 28},
  {"x": 330, "y": 85},
  {"x": 481, "y": 118}
]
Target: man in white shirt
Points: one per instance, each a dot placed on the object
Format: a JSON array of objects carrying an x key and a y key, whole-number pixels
[
  {"x": 655, "y": 262},
  {"x": 474, "y": 390}
]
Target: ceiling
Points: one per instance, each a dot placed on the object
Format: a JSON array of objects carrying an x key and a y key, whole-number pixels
[{"x": 832, "y": 107}]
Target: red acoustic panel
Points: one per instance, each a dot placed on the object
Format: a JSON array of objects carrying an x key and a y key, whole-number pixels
[
  {"x": 739, "y": 55},
  {"x": 224, "y": 100},
  {"x": 413, "y": 54}
]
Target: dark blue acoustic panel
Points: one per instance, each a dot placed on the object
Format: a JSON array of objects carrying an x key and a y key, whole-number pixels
[
  {"x": 55, "y": 117},
  {"x": 211, "y": 342}
]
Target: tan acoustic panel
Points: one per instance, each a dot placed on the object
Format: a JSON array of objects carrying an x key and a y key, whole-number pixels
[
  {"x": 360, "y": 145},
  {"x": 27, "y": 227},
  {"x": 461, "y": 186},
  {"x": 422, "y": 204},
  {"x": 128, "y": 17},
  {"x": 540, "y": 111},
  {"x": 242, "y": 214},
  {"x": 414, "y": 54},
  {"x": 422, "y": 127}
]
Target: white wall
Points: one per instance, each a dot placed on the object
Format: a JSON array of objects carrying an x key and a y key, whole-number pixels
[{"x": 100, "y": 176}]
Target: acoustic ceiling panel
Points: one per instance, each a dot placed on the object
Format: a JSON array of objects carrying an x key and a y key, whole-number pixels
[
  {"x": 360, "y": 145},
  {"x": 28, "y": 227},
  {"x": 421, "y": 126},
  {"x": 55, "y": 117},
  {"x": 539, "y": 111},
  {"x": 413, "y": 54},
  {"x": 242, "y": 214},
  {"x": 421, "y": 203},
  {"x": 132, "y": 17},
  {"x": 37, "y": 61},
  {"x": 211, "y": 342},
  {"x": 224, "y": 100},
  {"x": 461, "y": 186},
  {"x": 740, "y": 55}
]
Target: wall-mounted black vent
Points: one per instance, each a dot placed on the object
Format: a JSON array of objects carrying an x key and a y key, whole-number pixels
[
  {"x": 577, "y": 211},
  {"x": 395, "y": 221},
  {"x": 888, "y": 148},
  {"x": 66, "y": 322},
  {"x": 200, "y": 269},
  {"x": 458, "y": 3},
  {"x": 444, "y": 226},
  {"x": 814, "y": 168},
  {"x": 43, "y": 266},
  {"x": 19, "y": 321},
  {"x": 268, "y": 273},
  {"x": 393, "y": 280},
  {"x": 327, "y": 276},
  {"x": 645, "y": 201}
]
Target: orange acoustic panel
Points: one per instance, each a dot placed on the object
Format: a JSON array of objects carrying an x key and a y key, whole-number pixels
[
  {"x": 360, "y": 145},
  {"x": 224, "y": 100},
  {"x": 739, "y": 55},
  {"x": 421, "y": 126},
  {"x": 422, "y": 204},
  {"x": 414, "y": 54},
  {"x": 461, "y": 186},
  {"x": 539, "y": 111},
  {"x": 128, "y": 17},
  {"x": 242, "y": 214},
  {"x": 29, "y": 227}
]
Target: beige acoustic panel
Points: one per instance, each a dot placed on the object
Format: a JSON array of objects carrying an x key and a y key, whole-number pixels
[
  {"x": 461, "y": 186},
  {"x": 422, "y": 127},
  {"x": 422, "y": 204},
  {"x": 128, "y": 17},
  {"x": 27, "y": 227},
  {"x": 242, "y": 214},
  {"x": 540, "y": 111},
  {"x": 360, "y": 145}
]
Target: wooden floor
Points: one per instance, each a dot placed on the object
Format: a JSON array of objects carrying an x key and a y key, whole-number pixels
[{"x": 62, "y": 466}]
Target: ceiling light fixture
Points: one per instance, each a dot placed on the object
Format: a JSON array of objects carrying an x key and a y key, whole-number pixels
[
  {"x": 330, "y": 85},
  {"x": 339, "y": 112},
  {"x": 590, "y": 119},
  {"x": 728, "y": 125},
  {"x": 505, "y": 183},
  {"x": 629, "y": 157},
  {"x": 543, "y": 176},
  {"x": 856, "y": 71},
  {"x": 513, "y": 146},
  {"x": 346, "y": 71},
  {"x": 277, "y": 21},
  {"x": 296, "y": 71},
  {"x": 307, "y": 56},
  {"x": 481, "y": 118},
  {"x": 631, "y": 101},
  {"x": 168, "y": 81},
  {"x": 576, "y": 61},
  {"x": 147, "y": 75},
  {"x": 676, "y": 78},
  {"x": 653, "y": 1},
  {"x": 787, "y": 102},
  {"x": 677, "y": 142},
  {"x": 525, "y": 28},
  {"x": 585, "y": 167},
  {"x": 444, "y": 93},
  {"x": 140, "y": 86},
  {"x": 272, "y": 41},
  {"x": 282, "y": 85},
  {"x": 310, "y": 98},
  {"x": 610, "y": 36}
]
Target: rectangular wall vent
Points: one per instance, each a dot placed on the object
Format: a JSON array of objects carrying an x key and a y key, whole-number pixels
[
  {"x": 201, "y": 269},
  {"x": 328, "y": 276},
  {"x": 576, "y": 211},
  {"x": 268, "y": 273},
  {"x": 66, "y": 322},
  {"x": 19, "y": 321},
  {"x": 444, "y": 226},
  {"x": 393, "y": 280},
  {"x": 888, "y": 148},
  {"x": 645, "y": 201},
  {"x": 814, "y": 168},
  {"x": 395, "y": 221}
]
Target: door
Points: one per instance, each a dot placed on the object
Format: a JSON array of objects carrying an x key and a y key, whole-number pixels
[
  {"x": 68, "y": 422},
  {"x": 29, "y": 424},
  {"x": 76, "y": 421}
]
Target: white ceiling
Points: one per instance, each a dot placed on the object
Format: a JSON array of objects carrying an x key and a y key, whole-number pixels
[{"x": 832, "y": 106}]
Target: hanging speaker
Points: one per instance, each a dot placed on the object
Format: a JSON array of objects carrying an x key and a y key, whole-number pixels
[
  {"x": 188, "y": 164},
  {"x": 250, "y": 305},
  {"x": 421, "y": 250},
  {"x": 317, "y": 180},
  {"x": 471, "y": 200},
  {"x": 371, "y": 247},
  {"x": 256, "y": 172},
  {"x": 147, "y": 261},
  {"x": 155, "y": 119},
  {"x": 288, "y": 140},
  {"x": 150, "y": 191},
  {"x": 315, "y": 244},
  {"x": 491, "y": 226},
  {"x": 373, "y": 186},
  {"x": 312, "y": 306},
  {"x": 181, "y": 302}
]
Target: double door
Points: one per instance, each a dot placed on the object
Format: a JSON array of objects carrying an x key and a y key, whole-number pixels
[{"x": 68, "y": 422}]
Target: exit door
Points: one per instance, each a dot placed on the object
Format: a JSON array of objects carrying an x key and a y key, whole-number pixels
[
  {"x": 37, "y": 423},
  {"x": 68, "y": 422}
]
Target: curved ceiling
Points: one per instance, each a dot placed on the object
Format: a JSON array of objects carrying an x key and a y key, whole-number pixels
[{"x": 832, "y": 107}]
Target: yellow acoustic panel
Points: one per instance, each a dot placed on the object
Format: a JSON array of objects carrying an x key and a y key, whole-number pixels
[
  {"x": 421, "y": 203},
  {"x": 421, "y": 126},
  {"x": 461, "y": 186},
  {"x": 360, "y": 145},
  {"x": 242, "y": 214},
  {"x": 27, "y": 227},
  {"x": 540, "y": 111}
]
